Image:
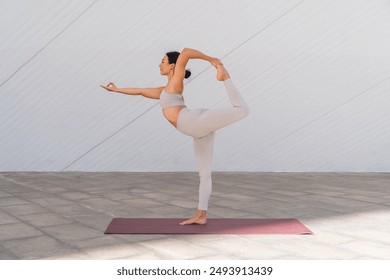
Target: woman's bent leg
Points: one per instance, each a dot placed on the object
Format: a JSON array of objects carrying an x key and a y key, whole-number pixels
[
  {"x": 203, "y": 148},
  {"x": 215, "y": 119},
  {"x": 201, "y": 122},
  {"x": 234, "y": 95}
]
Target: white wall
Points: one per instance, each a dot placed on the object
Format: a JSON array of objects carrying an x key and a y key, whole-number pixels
[{"x": 315, "y": 73}]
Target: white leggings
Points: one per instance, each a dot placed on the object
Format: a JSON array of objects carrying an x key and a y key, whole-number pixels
[{"x": 201, "y": 124}]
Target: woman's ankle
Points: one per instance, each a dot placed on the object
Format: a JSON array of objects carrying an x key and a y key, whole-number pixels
[{"x": 201, "y": 213}]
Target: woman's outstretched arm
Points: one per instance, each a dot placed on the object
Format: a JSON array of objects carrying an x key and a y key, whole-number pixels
[{"x": 153, "y": 93}]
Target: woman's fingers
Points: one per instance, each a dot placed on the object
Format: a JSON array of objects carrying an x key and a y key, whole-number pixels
[
  {"x": 110, "y": 86},
  {"x": 105, "y": 87}
]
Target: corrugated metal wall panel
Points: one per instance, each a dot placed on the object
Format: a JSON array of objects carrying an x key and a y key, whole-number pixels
[{"x": 315, "y": 74}]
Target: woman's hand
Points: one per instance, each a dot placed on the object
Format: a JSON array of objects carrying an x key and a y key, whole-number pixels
[{"x": 110, "y": 87}]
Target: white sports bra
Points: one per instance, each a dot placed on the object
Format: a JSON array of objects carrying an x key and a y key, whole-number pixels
[{"x": 171, "y": 99}]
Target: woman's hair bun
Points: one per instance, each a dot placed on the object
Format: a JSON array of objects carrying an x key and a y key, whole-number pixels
[{"x": 188, "y": 74}]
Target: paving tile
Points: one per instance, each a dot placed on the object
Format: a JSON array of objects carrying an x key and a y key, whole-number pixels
[
  {"x": 157, "y": 196},
  {"x": 7, "y": 255},
  {"x": 31, "y": 194},
  {"x": 176, "y": 249},
  {"x": 169, "y": 211},
  {"x": 95, "y": 221},
  {"x": 131, "y": 212},
  {"x": 37, "y": 247},
  {"x": 215, "y": 211},
  {"x": 268, "y": 212},
  {"x": 116, "y": 251},
  {"x": 120, "y": 195},
  {"x": 368, "y": 248},
  {"x": 292, "y": 257},
  {"x": 312, "y": 212},
  {"x": 142, "y": 189},
  {"x": 51, "y": 201},
  {"x": 74, "y": 195},
  {"x": 24, "y": 209},
  {"x": 97, "y": 242},
  {"x": 215, "y": 257},
  {"x": 200, "y": 238},
  {"x": 17, "y": 231},
  {"x": 4, "y": 194},
  {"x": 337, "y": 192},
  {"x": 315, "y": 198},
  {"x": 359, "y": 222},
  {"x": 6, "y": 201},
  {"x": 242, "y": 248},
  {"x": 381, "y": 236},
  {"x": 69, "y": 256},
  {"x": 142, "y": 202},
  {"x": 366, "y": 198},
  {"x": 231, "y": 203},
  {"x": 73, "y": 210},
  {"x": 290, "y": 193},
  {"x": 268, "y": 203},
  {"x": 48, "y": 188},
  {"x": 45, "y": 219},
  {"x": 141, "y": 237},
  {"x": 185, "y": 202},
  {"x": 144, "y": 255},
  {"x": 282, "y": 198},
  {"x": 7, "y": 219},
  {"x": 331, "y": 238},
  {"x": 99, "y": 203},
  {"x": 70, "y": 232},
  {"x": 272, "y": 239},
  {"x": 314, "y": 249},
  {"x": 238, "y": 197},
  {"x": 13, "y": 188},
  {"x": 366, "y": 193}
]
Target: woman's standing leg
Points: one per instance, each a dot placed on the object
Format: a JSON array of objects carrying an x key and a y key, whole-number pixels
[{"x": 203, "y": 148}]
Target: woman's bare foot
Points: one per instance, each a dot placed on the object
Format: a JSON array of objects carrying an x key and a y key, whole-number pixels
[
  {"x": 222, "y": 74},
  {"x": 199, "y": 218}
]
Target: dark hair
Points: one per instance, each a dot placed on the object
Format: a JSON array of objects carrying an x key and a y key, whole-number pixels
[{"x": 172, "y": 58}]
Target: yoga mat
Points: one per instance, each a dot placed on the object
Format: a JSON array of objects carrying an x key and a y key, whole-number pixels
[{"x": 213, "y": 226}]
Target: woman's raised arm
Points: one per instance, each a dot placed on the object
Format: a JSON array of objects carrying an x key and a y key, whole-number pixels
[
  {"x": 187, "y": 54},
  {"x": 195, "y": 54}
]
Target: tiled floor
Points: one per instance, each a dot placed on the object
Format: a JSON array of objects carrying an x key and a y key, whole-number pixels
[{"x": 62, "y": 215}]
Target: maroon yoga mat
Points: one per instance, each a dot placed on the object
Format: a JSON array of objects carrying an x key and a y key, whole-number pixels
[{"x": 213, "y": 226}]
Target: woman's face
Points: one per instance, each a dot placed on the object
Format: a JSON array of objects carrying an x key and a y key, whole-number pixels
[{"x": 165, "y": 67}]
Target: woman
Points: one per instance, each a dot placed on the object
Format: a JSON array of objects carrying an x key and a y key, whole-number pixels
[{"x": 201, "y": 124}]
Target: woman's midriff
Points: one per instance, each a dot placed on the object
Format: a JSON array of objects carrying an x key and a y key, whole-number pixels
[{"x": 172, "y": 114}]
